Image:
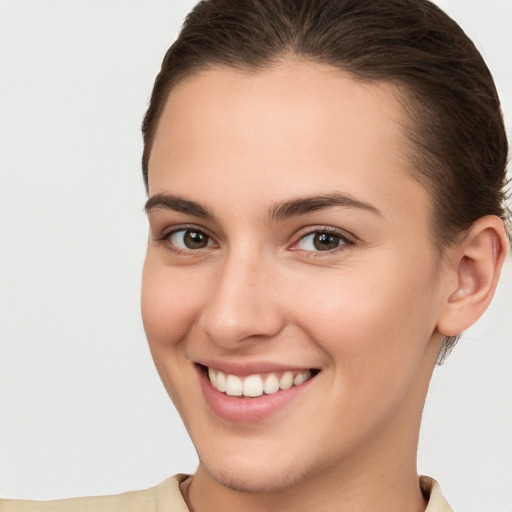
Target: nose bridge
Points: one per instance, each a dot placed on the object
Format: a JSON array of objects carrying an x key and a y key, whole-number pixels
[{"x": 241, "y": 306}]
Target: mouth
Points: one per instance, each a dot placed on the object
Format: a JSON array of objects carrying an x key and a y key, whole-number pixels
[
  {"x": 244, "y": 393},
  {"x": 257, "y": 384}
]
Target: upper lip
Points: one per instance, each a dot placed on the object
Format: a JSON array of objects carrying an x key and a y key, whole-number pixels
[{"x": 244, "y": 368}]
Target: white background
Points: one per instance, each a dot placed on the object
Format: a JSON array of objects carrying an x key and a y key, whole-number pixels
[{"x": 81, "y": 408}]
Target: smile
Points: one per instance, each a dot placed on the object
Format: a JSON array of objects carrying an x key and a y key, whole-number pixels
[
  {"x": 252, "y": 393},
  {"x": 256, "y": 385}
]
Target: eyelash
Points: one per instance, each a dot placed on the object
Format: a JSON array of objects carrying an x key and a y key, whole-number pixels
[
  {"x": 165, "y": 238},
  {"x": 345, "y": 241}
]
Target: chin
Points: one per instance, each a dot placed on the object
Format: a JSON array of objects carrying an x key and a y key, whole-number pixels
[{"x": 265, "y": 477}]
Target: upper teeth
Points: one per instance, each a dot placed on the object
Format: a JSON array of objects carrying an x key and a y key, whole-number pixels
[{"x": 255, "y": 385}]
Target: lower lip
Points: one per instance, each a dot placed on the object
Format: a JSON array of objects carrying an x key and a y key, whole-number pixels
[{"x": 244, "y": 409}]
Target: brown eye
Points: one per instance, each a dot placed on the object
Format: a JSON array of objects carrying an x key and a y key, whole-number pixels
[
  {"x": 190, "y": 239},
  {"x": 325, "y": 241},
  {"x": 321, "y": 241}
]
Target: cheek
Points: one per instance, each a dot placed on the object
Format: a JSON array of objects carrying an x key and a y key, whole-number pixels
[
  {"x": 371, "y": 322},
  {"x": 376, "y": 340},
  {"x": 170, "y": 302}
]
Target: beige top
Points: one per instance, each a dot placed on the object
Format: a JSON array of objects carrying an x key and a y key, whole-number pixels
[{"x": 165, "y": 497}]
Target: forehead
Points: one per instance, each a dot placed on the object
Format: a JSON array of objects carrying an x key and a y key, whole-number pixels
[
  {"x": 291, "y": 101},
  {"x": 303, "y": 126}
]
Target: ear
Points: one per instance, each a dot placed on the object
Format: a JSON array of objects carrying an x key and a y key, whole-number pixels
[{"x": 475, "y": 265}]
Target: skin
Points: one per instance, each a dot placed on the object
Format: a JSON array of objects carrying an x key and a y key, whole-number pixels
[{"x": 367, "y": 314}]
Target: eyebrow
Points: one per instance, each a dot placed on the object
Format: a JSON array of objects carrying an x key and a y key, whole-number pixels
[
  {"x": 178, "y": 204},
  {"x": 305, "y": 205},
  {"x": 278, "y": 212}
]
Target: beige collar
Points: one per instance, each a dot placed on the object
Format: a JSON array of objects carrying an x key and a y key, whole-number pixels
[{"x": 170, "y": 499}]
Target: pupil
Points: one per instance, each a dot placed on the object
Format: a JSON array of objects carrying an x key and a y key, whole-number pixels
[
  {"x": 325, "y": 241},
  {"x": 195, "y": 240}
]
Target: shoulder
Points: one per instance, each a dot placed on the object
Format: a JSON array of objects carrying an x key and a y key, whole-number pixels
[{"x": 165, "y": 497}]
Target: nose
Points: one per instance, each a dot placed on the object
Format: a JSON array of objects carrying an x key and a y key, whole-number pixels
[{"x": 243, "y": 307}]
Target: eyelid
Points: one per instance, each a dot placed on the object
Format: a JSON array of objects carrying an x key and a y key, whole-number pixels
[
  {"x": 347, "y": 238},
  {"x": 164, "y": 237}
]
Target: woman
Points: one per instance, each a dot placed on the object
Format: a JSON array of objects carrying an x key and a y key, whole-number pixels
[{"x": 325, "y": 196}]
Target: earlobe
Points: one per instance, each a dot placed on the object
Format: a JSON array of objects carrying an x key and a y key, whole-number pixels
[{"x": 476, "y": 264}]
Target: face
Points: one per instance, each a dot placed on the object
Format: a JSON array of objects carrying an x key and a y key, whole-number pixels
[{"x": 291, "y": 259}]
